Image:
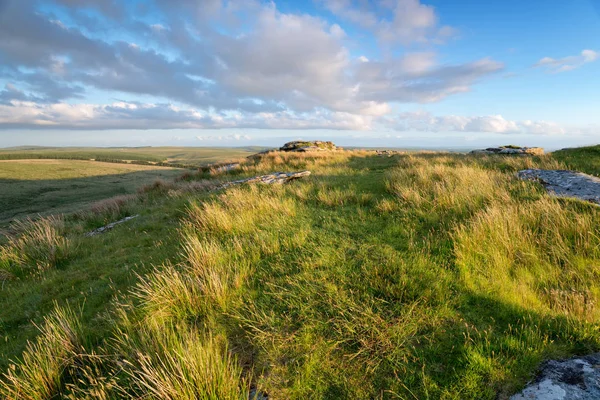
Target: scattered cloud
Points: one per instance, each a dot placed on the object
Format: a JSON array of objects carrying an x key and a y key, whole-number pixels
[
  {"x": 424, "y": 121},
  {"x": 130, "y": 115},
  {"x": 236, "y": 63},
  {"x": 233, "y": 137},
  {"x": 394, "y": 21},
  {"x": 556, "y": 65}
]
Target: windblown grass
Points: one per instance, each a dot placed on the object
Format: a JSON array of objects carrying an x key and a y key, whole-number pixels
[
  {"x": 174, "y": 362},
  {"x": 37, "y": 245},
  {"x": 424, "y": 276},
  {"x": 39, "y": 375}
]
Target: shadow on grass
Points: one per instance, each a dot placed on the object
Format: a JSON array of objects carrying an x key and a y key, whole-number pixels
[{"x": 20, "y": 198}]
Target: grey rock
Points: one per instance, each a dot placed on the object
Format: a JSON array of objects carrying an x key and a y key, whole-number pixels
[
  {"x": 226, "y": 167},
  {"x": 306, "y": 146},
  {"x": 511, "y": 150},
  {"x": 257, "y": 395},
  {"x": 577, "y": 378},
  {"x": 270, "y": 179},
  {"x": 566, "y": 183},
  {"x": 260, "y": 154},
  {"x": 387, "y": 153},
  {"x": 109, "y": 226}
]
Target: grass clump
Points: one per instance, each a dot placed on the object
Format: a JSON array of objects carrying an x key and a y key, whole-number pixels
[
  {"x": 174, "y": 362},
  {"x": 37, "y": 245},
  {"x": 541, "y": 255},
  {"x": 39, "y": 374}
]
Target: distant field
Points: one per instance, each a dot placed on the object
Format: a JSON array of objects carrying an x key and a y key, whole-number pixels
[
  {"x": 172, "y": 155},
  {"x": 30, "y": 187}
]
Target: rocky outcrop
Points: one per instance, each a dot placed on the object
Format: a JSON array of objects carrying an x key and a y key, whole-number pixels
[
  {"x": 566, "y": 183},
  {"x": 575, "y": 378},
  {"x": 306, "y": 146},
  {"x": 511, "y": 150},
  {"x": 276, "y": 178}
]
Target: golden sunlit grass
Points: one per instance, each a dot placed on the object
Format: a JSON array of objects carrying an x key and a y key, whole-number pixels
[
  {"x": 414, "y": 276},
  {"x": 37, "y": 245},
  {"x": 39, "y": 374}
]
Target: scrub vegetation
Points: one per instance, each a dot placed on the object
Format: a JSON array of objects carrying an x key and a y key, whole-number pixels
[{"x": 415, "y": 276}]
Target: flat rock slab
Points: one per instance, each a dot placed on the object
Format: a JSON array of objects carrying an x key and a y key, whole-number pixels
[
  {"x": 566, "y": 183},
  {"x": 270, "y": 179},
  {"x": 511, "y": 150},
  {"x": 577, "y": 378},
  {"x": 226, "y": 167},
  {"x": 108, "y": 227}
]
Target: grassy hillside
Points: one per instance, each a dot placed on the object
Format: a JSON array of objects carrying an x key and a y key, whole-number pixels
[
  {"x": 170, "y": 155},
  {"x": 31, "y": 187},
  {"x": 585, "y": 159},
  {"x": 415, "y": 276}
]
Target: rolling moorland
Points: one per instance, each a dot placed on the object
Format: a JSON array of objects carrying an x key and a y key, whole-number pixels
[
  {"x": 42, "y": 180},
  {"x": 410, "y": 276}
]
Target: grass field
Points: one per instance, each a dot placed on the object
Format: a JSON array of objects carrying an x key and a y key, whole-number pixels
[
  {"x": 31, "y": 187},
  {"x": 418, "y": 276},
  {"x": 584, "y": 159},
  {"x": 193, "y": 156}
]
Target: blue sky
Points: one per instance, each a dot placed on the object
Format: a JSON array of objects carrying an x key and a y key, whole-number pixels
[{"x": 395, "y": 73}]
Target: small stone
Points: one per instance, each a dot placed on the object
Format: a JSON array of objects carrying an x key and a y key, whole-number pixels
[{"x": 109, "y": 226}]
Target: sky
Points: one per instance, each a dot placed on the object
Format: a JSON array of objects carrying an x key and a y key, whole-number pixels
[{"x": 394, "y": 73}]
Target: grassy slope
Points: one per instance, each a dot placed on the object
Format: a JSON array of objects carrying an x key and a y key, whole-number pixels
[
  {"x": 174, "y": 155},
  {"x": 423, "y": 276},
  {"x": 31, "y": 187},
  {"x": 101, "y": 267},
  {"x": 585, "y": 159}
]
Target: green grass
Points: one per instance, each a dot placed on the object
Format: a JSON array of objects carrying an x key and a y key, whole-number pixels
[
  {"x": 417, "y": 276},
  {"x": 584, "y": 159},
  {"x": 32, "y": 187}
]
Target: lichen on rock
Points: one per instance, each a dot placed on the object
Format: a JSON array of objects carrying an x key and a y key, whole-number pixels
[
  {"x": 571, "y": 379},
  {"x": 566, "y": 183}
]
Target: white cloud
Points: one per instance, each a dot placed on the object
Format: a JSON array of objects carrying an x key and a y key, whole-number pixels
[
  {"x": 569, "y": 63},
  {"x": 424, "y": 121},
  {"x": 268, "y": 68},
  {"x": 123, "y": 115},
  {"x": 394, "y": 21}
]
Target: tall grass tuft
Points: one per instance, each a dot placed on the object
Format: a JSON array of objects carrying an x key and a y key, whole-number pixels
[
  {"x": 175, "y": 362},
  {"x": 540, "y": 254},
  {"x": 38, "y": 376},
  {"x": 168, "y": 294},
  {"x": 444, "y": 184},
  {"x": 239, "y": 210},
  {"x": 112, "y": 207},
  {"x": 40, "y": 245}
]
